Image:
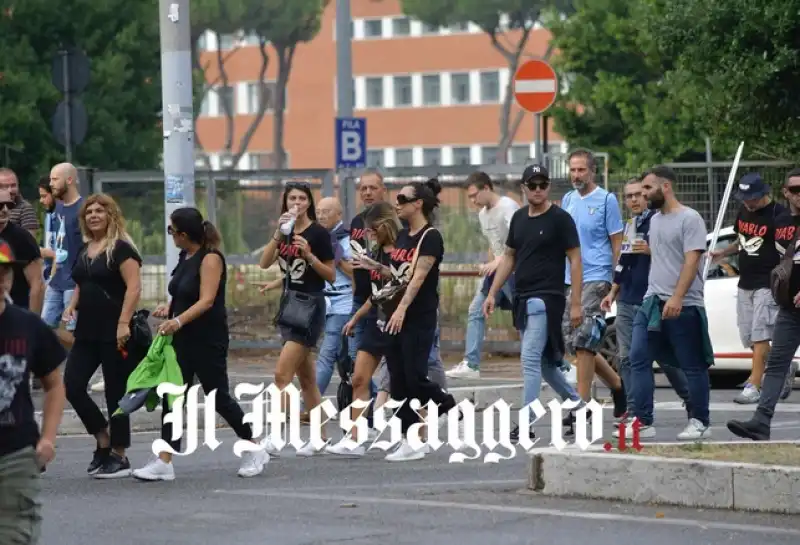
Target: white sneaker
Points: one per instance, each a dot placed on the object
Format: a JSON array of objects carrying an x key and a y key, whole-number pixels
[
  {"x": 155, "y": 470},
  {"x": 405, "y": 453},
  {"x": 98, "y": 387},
  {"x": 645, "y": 432},
  {"x": 253, "y": 463},
  {"x": 749, "y": 395},
  {"x": 463, "y": 370},
  {"x": 571, "y": 375},
  {"x": 343, "y": 449},
  {"x": 269, "y": 448},
  {"x": 695, "y": 430},
  {"x": 372, "y": 435},
  {"x": 308, "y": 450}
]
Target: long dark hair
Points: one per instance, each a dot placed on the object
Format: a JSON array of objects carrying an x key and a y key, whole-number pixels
[
  {"x": 428, "y": 193},
  {"x": 311, "y": 211},
  {"x": 190, "y": 222}
]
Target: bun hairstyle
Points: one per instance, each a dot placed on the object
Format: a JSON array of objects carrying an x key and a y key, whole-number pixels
[
  {"x": 428, "y": 193},
  {"x": 190, "y": 222}
]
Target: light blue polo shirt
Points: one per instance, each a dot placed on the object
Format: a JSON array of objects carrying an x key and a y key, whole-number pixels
[
  {"x": 597, "y": 217},
  {"x": 340, "y": 298}
]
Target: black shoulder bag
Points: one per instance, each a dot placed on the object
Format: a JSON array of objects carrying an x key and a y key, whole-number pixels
[
  {"x": 296, "y": 309},
  {"x": 782, "y": 274},
  {"x": 344, "y": 365}
]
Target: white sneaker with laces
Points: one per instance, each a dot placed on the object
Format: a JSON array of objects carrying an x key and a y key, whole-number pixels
[
  {"x": 269, "y": 448},
  {"x": 155, "y": 470},
  {"x": 253, "y": 463},
  {"x": 405, "y": 453},
  {"x": 343, "y": 449},
  {"x": 463, "y": 370},
  {"x": 645, "y": 432},
  {"x": 695, "y": 430},
  {"x": 749, "y": 395},
  {"x": 308, "y": 450}
]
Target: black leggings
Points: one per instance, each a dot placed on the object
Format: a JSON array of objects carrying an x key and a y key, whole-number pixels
[
  {"x": 209, "y": 363},
  {"x": 407, "y": 362},
  {"x": 83, "y": 360}
]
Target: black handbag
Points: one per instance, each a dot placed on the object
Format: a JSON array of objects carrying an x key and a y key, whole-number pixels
[
  {"x": 297, "y": 309},
  {"x": 781, "y": 275},
  {"x": 344, "y": 366},
  {"x": 388, "y": 297}
]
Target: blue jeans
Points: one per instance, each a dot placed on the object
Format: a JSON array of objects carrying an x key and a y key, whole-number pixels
[
  {"x": 534, "y": 363},
  {"x": 330, "y": 348},
  {"x": 626, "y": 313},
  {"x": 680, "y": 341},
  {"x": 476, "y": 322}
]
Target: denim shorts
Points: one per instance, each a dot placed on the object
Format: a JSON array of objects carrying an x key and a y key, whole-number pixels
[{"x": 55, "y": 302}]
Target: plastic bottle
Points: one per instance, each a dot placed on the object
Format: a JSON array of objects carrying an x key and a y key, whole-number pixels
[{"x": 287, "y": 227}]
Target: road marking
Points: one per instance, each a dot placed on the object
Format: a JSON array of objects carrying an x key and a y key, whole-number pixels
[
  {"x": 728, "y": 407},
  {"x": 537, "y": 511},
  {"x": 472, "y": 484}
]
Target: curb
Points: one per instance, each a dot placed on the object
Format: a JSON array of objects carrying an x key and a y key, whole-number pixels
[
  {"x": 641, "y": 479},
  {"x": 143, "y": 421}
]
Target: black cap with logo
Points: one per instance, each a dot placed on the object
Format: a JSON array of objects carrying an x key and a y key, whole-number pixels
[{"x": 534, "y": 172}]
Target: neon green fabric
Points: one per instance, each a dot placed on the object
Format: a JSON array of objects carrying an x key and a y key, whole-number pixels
[{"x": 159, "y": 365}]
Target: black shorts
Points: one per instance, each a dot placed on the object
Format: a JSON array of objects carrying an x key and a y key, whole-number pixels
[
  {"x": 373, "y": 341},
  {"x": 308, "y": 338}
]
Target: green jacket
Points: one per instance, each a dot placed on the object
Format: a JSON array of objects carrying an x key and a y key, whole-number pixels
[
  {"x": 653, "y": 308},
  {"x": 160, "y": 365}
]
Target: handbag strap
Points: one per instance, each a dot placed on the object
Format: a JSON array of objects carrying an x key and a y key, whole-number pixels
[
  {"x": 790, "y": 250},
  {"x": 416, "y": 253}
]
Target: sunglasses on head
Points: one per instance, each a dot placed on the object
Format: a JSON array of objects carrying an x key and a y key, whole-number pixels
[
  {"x": 402, "y": 199},
  {"x": 7, "y": 204},
  {"x": 534, "y": 185},
  {"x": 297, "y": 185}
]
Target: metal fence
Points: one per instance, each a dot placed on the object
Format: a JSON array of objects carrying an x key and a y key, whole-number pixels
[{"x": 245, "y": 206}]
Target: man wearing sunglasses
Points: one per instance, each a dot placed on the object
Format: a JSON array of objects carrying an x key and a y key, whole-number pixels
[
  {"x": 23, "y": 213},
  {"x": 541, "y": 238},
  {"x": 27, "y": 291}
]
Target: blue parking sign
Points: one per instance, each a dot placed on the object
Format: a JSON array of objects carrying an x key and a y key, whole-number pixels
[{"x": 351, "y": 142}]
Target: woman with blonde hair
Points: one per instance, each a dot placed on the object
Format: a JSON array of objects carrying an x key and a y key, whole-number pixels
[
  {"x": 107, "y": 275},
  {"x": 383, "y": 225}
]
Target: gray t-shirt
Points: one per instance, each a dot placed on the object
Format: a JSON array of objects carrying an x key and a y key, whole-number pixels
[{"x": 671, "y": 237}]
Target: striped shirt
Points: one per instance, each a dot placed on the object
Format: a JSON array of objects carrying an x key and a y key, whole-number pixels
[{"x": 24, "y": 215}]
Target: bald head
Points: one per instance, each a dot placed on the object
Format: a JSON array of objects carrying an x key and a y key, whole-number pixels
[
  {"x": 64, "y": 182},
  {"x": 329, "y": 212}
]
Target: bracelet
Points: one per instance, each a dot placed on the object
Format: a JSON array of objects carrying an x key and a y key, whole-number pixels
[{"x": 178, "y": 321}]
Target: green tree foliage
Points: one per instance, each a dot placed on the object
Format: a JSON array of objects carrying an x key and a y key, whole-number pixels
[
  {"x": 510, "y": 39},
  {"x": 738, "y": 60},
  {"x": 617, "y": 99},
  {"x": 123, "y": 98}
]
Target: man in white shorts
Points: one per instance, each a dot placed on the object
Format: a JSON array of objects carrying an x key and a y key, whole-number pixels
[{"x": 495, "y": 217}]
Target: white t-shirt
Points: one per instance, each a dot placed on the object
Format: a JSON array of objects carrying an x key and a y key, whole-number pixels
[{"x": 495, "y": 222}]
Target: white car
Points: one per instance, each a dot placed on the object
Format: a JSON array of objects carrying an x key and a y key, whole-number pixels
[{"x": 732, "y": 362}]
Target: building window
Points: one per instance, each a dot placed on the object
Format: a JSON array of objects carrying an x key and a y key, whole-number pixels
[
  {"x": 374, "y": 88},
  {"x": 459, "y": 27},
  {"x": 256, "y": 92},
  {"x": 402, "y": 91},
  {"x": 200, "y": 159},
  {"x": 375, "y": 158},
  {"x": 490, "y": 86},
  {"x": 431, "y": 157},
  {"x": 261, "y": 160},
  {"x": 459, "y": 84},
  {"x": 373, "y": 28},
  {"x": 553, "y": 149},
  {"x": 401, "y": 26},
  {"x": 431, "y": 90},
  {"x": 227, "y": 41},
  {"x": 462, "y": 156},
  {"x": 489, "y": 155},
  {"x": 226, "y": 97},
  {"x": 404, "y": 157},
  {"x": 520, "y": 154},
  {"x": 226, "y": 160},
  {"x": 429, "y": 29}
]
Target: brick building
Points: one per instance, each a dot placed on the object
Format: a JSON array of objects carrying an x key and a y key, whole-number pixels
[{"x": 430, "y": 96}]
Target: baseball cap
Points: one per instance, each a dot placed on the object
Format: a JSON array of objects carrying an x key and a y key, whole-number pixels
[
  {"x": 532, "y": 172},
  {"x": 6, "y": 253},
  {"x": 751, "y": 186}
]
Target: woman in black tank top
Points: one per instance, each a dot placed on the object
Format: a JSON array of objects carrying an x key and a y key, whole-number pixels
[{"x": 198, "y": 323}]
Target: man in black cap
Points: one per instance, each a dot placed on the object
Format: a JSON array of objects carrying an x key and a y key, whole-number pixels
[
  {"x": 540, "y": 238},
  {"x": 756, "y": 308},
  {"x": 27, "y": 346}
]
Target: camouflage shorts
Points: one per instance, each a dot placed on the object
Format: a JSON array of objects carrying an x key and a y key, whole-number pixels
[{"x": 588, "y": 335}]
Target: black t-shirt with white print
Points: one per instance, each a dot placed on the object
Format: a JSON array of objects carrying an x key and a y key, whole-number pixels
[
  {"x": 359, "y": 245},
  {"x": 758, "y": 254},
  {"x": 303, "y": 277},
  {"x": 426, "y": 301},
  {"x": 27, "y": 347},
  {"x": 101, "y": 291},
  {"x": 784, "y": 234}
]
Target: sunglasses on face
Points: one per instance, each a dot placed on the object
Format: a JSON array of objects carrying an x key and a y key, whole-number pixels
[
  {"x": 171, "y": 230},
  {"x": 9, "y": 205},
  {"x": 533, "y": 186},
  {"x": 403, "y": 199},
  {"x": 793, "y": 189}
]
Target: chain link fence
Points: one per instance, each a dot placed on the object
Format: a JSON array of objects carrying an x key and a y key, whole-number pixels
[{"x": 245, "y": 207}]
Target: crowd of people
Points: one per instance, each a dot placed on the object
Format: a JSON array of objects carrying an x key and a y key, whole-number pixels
[{"x": 67, "y": 300}]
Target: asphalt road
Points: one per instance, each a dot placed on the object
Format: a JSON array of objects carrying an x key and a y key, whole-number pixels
[{"x": 326, "y": 500}]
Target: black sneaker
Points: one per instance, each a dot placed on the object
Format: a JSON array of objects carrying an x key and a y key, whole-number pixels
[
  {"x": 569, "y": 423},
  {"x": 749, "y": 429},
  {"x": 620, "y": 402},
  {"x": 98, "y": 460},
  {"x": 116, "y": 467},
  {"x": 514, "y": 436}
]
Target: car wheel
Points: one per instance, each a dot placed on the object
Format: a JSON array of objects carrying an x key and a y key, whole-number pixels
[{"x": 608, "y": 346}]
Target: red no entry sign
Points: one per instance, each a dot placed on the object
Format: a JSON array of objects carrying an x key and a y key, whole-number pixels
[{"x": 535, "y": 86}]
